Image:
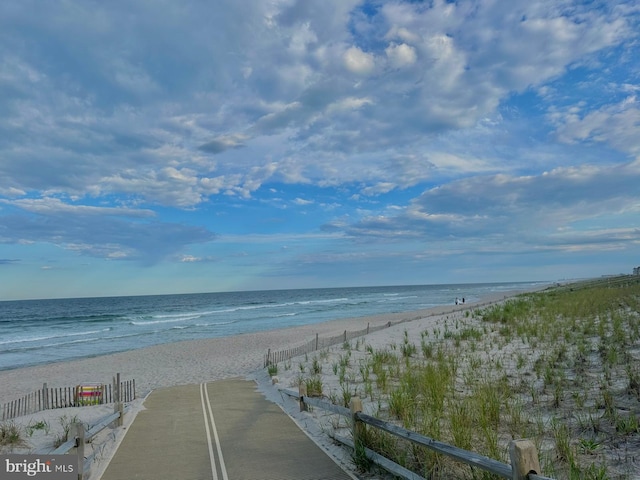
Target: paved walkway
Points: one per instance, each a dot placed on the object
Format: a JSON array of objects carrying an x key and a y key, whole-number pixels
[{"x": 224, "y": 430}]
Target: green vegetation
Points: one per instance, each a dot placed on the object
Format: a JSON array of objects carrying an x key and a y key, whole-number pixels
[
  {"x": 66, "y": 423},
  {"x": 37, "y": 425},
  {"x": 10, "y": 436},
  {"x": 314, "y": 386},
  {"x": 560, "y": 367}
]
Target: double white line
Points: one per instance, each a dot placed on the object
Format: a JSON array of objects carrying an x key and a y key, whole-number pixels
[{"x": 208, "y": 418}]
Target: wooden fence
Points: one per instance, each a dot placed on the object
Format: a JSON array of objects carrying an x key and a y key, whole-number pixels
[
  {"x": 318, "y": 343},
  {"x": 61, "y": 397},
  {"x": 272, "y": 358},
  {"x": 83, "y": 437},
  {"x": 524, "y": 457}
]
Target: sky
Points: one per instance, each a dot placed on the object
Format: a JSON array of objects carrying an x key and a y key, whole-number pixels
[{"x": 152, "y": 147}]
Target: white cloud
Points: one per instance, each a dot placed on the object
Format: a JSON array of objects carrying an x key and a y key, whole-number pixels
[
  {"x": 301, "y": 40},
  {"x": 349, "y": 103},
  {"x": 55, "y": 206},
  {"x": 617, "y": 125},
  {"x": 520, "y": 208},
  {"x": 401, "y": 55},
  {"x": 12, "y": 192},
  {"x": 379, "y": 188},
  {"x": 358, "y": 62},
  {"x": 457, "y": 163},
  {"x": 403, "y": 34}
]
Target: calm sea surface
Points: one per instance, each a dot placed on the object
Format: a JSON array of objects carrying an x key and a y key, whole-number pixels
[{"x": 42, "y": 331}]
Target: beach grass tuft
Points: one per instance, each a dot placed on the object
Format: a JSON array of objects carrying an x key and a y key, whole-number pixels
[
  {"x": 10, "y": 436},
  {"x": 34, "y": 426},
  {"x": 66, "y": 422}
]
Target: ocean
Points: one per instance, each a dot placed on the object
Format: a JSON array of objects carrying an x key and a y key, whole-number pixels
[{"x": 34, "y": 332}]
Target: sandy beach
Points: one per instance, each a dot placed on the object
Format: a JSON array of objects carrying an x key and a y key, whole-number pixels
[{"x": 200, "y": 361}]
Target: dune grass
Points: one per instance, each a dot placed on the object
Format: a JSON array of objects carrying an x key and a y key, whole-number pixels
[
  {"x": 560, "y": 367},
  {"x": 11, "y": 436}
]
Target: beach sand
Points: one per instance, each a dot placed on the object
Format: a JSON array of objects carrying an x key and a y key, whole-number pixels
[{"x": 199, "y": 361}]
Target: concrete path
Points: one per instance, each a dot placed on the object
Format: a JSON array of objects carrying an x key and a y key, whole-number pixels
[{"x": 224, "y": 430}]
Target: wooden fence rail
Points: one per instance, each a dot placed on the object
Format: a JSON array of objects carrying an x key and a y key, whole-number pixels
[
  {"x": 82, "y": 437},
  {"x": 61, "y": 397},
  {"x": 524, "y": 457}
]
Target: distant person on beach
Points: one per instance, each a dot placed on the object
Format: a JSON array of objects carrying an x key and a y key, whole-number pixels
[{"x": 457, "y": 301}]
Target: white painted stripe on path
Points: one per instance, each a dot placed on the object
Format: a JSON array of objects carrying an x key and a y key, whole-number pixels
[
  {"x": 204, "y": 395},
  {"x": 212, "y": 457}
]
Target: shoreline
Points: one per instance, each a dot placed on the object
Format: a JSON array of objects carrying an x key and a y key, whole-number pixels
[{"x": 202, "y": 360}]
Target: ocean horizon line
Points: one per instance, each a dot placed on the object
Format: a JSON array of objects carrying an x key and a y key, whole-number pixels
[{"x": 258, "y": 290}]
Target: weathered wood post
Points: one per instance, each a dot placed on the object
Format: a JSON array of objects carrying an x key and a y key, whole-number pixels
[
  {"x": 117, "y": 407},
  {"x": 316, "y": 341},
  {"x": 524, "y": 459},
  {"x": 367, "y": 328},
  {"x": 45, "y": 397},
  {"x": 355, "y": 405},
  {"x": 79, "y": 428},
  {"x": 302, "y": 391},
  {"x": 121, "y": 412},
  {"x": 345, "y": 336}
]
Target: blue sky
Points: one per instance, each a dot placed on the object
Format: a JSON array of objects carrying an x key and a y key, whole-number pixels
[{"x": 166, "y": 147}]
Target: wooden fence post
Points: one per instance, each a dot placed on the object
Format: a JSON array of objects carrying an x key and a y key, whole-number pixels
[
  {"x": 45, "y": 397},
  {"x": 302, "y": 391},
  {"x": 117, "y": 407},
  {"x": 79, "y": 427},
  {"x": 120, "y": 421},
  {"x": 524, "y": 459},
  {"x": 355, "y": 405},
  {"x": 316, "y": 341}
]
